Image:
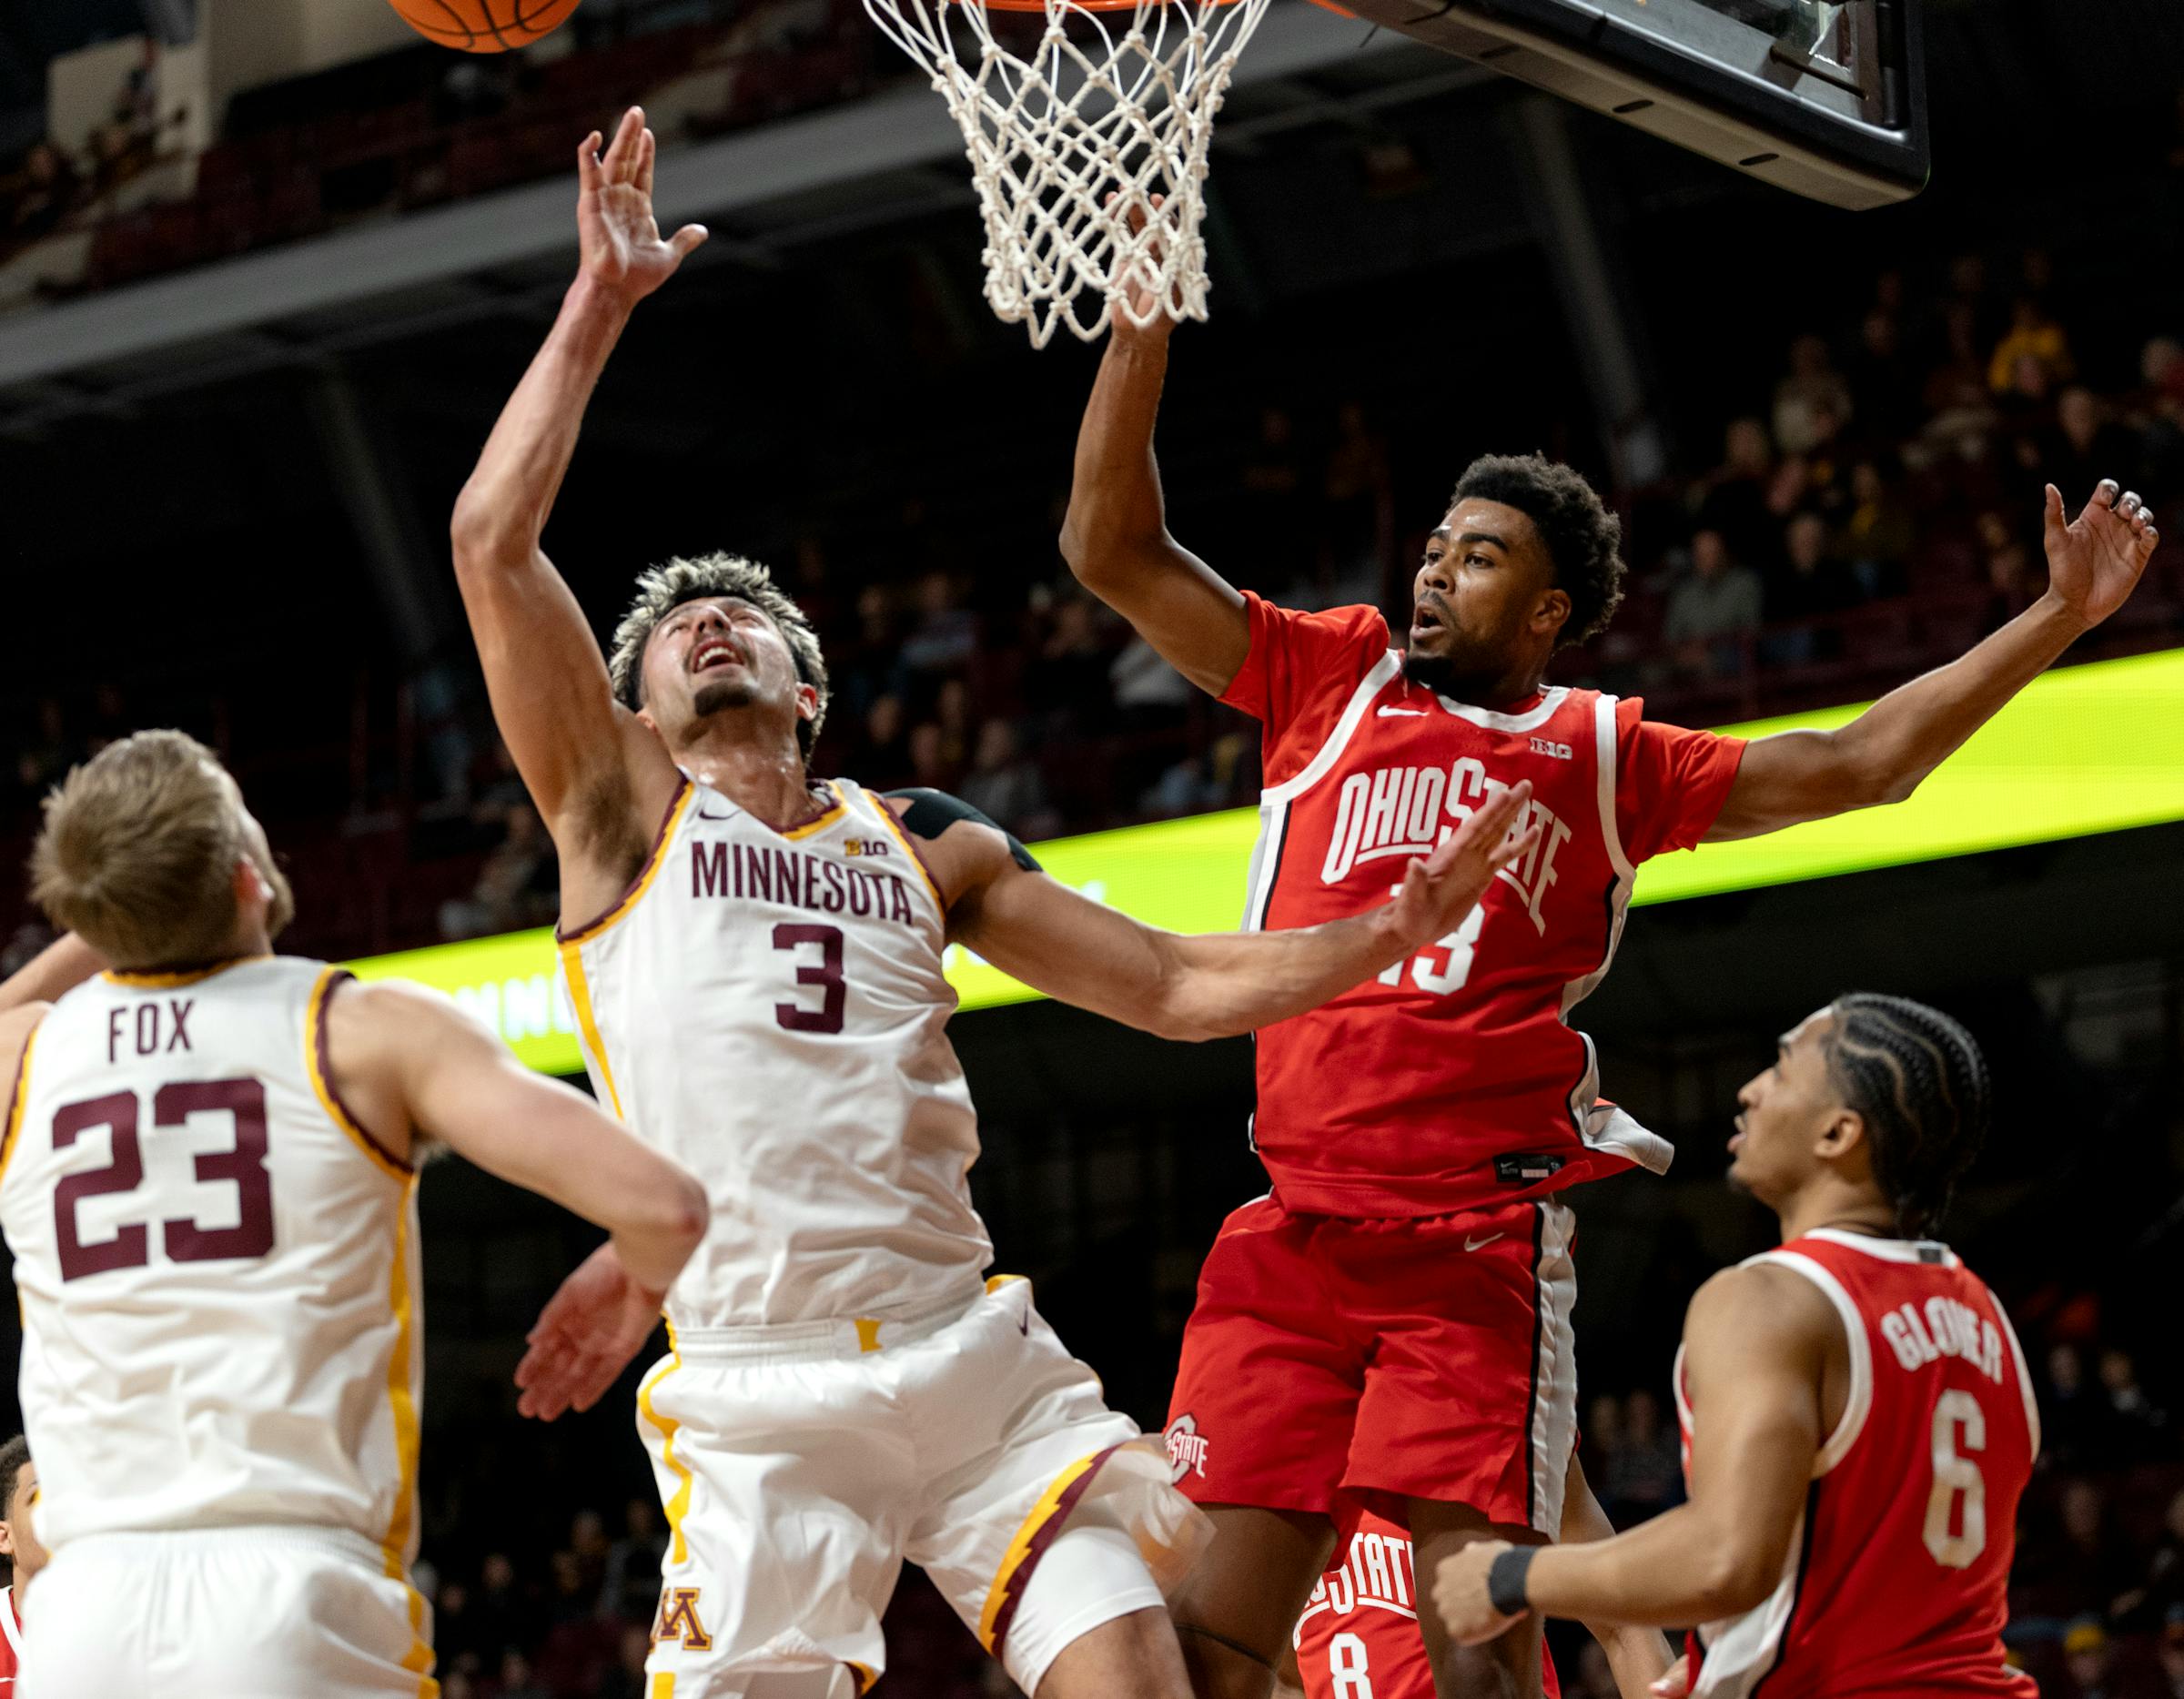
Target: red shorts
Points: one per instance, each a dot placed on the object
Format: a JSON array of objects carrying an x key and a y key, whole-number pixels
[
  {"x": 1428, "y": 1357},
  {"x": 1359, "y": 1634}
]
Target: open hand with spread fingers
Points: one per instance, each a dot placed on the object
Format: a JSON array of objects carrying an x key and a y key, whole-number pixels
[
  {"x": 623, "y": 249},
  {"x": 585, "y": 1336},
  {"x": 2095, "y": 561},
  {"x": 1438, "y": 890}
]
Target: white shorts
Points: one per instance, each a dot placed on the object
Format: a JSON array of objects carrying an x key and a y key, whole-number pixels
[
  {"x": 271, "y": 1613},
  {"x": 800, "y": 1466}
]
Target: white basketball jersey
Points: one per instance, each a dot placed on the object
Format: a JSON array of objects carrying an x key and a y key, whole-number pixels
[
  {"x": 218, "y": 1265},
  {"x": 769, "y": 1009}
]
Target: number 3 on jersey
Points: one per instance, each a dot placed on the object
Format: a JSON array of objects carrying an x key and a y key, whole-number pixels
[
  {"x": 826, "y": 974},
  {"x": 1461, "y": 945},
  {"x": 1957, "y": 1477}
]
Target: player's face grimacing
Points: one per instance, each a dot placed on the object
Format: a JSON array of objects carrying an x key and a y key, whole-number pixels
[
  {"x": 713, "y": 653},
  {"x": 1483, "y": 597},
  {"x": 1786, "y": 1115}
]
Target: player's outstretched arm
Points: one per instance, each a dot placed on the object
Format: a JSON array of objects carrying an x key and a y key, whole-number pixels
[
  {"x": 1214, "y": 985},
  {"x": 1637, "y": 1656},
  {"x": 1115, "y": 536},
  {"x": 1756, "y": 1344},
  {"x": 411, "y": 1066},
  {"x": 2094, "y": 563},
  {"x": 59, "y": 967},
  {"x": 549, "y": 685}
]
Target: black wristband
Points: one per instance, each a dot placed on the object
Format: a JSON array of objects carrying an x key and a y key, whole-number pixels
[{"x": 1505, "y": 1580}]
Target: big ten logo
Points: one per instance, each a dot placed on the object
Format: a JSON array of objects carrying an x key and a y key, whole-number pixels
[
  {"x": 679, "y": 1620},
  {"x": 865, "y": 846},
  {"x": 1404, "y": 811},
  {"x": 1187, "y": 1448}
]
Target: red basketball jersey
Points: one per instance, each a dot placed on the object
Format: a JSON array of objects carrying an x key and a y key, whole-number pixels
[
  {"x": 11, "y": 1644},
  {"x": 1359, "y": 1637},
  {"x": 1897, "y": 1579},
  {"x": 1453, "y": 1080}
]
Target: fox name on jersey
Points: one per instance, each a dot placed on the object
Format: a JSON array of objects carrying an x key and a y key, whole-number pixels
[
  {"x": 770, "y": 1008},
  {"x": 217, "y": 1265}
]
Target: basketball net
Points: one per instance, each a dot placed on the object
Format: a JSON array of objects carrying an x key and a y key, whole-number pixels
[{"x": 1071, "y": 146}]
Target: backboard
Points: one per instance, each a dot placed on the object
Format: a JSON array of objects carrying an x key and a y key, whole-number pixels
[{"x": 1825, "y": 98}]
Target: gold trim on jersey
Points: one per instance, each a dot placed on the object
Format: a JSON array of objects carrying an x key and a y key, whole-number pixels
[
  {"x": 180, "y": 977},
  {"x": 863, "y": 1675},
  {"x": 572, "y": 947},
  {"x": 826, "y": 820},
  {"x": 315, "y": 1063},
  {"x": 587, "y": 1023},
  {"x": 678, "y": 1506},
  {"x": 17, "y": 1100},
  {"x": 645, "y": 875},
  {"x": 662, "y": 1687},
  {"x": 400, "y": 1396},
  {"x": 894, "y": 824}
]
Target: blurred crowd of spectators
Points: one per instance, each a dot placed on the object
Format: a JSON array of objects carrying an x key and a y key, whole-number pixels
[
  {"x": 1894, "y": 482},
  {"x": 51, "y": 185}
]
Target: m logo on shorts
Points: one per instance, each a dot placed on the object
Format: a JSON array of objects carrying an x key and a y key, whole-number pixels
[
  {"x": 679, "y": 1620},
  {"x": 1186, "y": 1448}
]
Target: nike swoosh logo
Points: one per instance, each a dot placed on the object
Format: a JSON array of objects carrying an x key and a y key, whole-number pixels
[
  {"x": 1409, "y": 714},
  {"x": 1024, "y": 1324},
  {"x": 1480, "y": 1244},
  {"x": 703, "y": 816}
]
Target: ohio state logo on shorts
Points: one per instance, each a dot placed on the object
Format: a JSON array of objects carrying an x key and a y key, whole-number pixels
[{"x": 1186, "y": 1448}]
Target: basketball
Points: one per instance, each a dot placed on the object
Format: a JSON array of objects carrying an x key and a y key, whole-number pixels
[{"x": 484, "y": 25}]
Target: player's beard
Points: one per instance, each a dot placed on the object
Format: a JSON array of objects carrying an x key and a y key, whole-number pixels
[
  {"x": 1468, "y": 670},
  {"x": 710, "y": 698}
]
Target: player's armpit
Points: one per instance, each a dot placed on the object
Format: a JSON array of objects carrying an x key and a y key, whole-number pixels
[{"x": 1757, "y": 1344}]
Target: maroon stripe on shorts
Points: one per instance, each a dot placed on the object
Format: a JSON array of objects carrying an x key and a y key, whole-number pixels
[{"x": 1048, "y": 1532}]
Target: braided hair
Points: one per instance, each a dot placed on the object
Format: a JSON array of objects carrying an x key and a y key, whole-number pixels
[{"x": 1919, "y": 1081}]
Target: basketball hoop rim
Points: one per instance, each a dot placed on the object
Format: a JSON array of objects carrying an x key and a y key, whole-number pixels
[{"x": 1078, "y": 5}]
